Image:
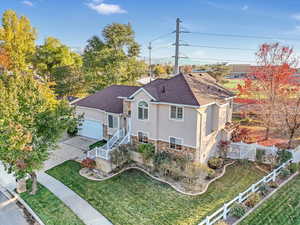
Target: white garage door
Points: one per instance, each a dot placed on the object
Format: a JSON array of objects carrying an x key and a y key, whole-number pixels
[{"x": 91, "y": 129}]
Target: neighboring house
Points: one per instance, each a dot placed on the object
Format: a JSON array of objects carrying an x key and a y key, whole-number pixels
[{"x": 183, "y": 114}]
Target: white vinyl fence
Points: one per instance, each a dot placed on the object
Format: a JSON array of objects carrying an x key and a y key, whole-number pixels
[
  {"x": 223, "y": 212},
  {"x": 241, "y": 150}
]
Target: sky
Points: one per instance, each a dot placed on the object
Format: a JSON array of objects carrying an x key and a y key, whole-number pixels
[{"x": 75, "y": 21}]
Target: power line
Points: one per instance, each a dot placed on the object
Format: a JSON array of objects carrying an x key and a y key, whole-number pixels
[
  {"x": 245, "y": 36},
  {"x": 223, "y": 60},
  {"x": 220, "y": 47}
]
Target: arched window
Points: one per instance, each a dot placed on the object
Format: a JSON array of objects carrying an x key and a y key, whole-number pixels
[{"x": 143, "y": 110}]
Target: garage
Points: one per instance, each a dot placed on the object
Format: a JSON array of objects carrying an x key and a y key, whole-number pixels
[{"x": 91, "y": 129}]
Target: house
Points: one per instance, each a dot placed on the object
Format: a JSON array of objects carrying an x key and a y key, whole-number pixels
[{"x": 183, "y": 114}]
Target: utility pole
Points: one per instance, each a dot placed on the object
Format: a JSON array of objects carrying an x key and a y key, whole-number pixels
[
  {"x": 150, "y": 67},
  {"x": 176, "y": 65}
]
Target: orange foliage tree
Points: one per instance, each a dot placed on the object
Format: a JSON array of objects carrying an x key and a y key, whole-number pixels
[
  {"x": 4, "y": 59},
  {"x": 265, "y": 83}
]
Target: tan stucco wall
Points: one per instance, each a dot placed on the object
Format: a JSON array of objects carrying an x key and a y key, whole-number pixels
[{"x": 159, "y": 126}]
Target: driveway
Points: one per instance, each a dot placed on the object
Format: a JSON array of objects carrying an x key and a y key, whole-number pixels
[
  {"x": 69, "y": 149},
  {"x": 10, "y": 213}
]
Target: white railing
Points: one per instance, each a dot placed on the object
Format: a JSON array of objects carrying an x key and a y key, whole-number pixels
[{"x": 223, "y": 212}]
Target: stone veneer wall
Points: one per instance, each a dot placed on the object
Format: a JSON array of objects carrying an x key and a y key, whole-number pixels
[{"x": 165, "y": 146}]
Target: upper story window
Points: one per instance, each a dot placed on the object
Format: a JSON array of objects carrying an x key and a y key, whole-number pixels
[
  {"x": 175, "y": 143},
  {"x": 143, "y": 110},
  {"x": 112, "y": 121},
  {"x": 176, "y": 112}
]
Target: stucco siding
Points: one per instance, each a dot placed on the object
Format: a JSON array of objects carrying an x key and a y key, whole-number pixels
[{"x": 91, "y": 114}]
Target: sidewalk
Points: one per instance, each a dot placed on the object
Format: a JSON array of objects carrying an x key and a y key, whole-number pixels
[{"x": 79, "y": 206}]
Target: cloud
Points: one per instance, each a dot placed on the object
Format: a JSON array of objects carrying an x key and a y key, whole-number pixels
[
  {"x": 245, "y": 7},
  {"x": 296, "y": 16},
  {"x": 105, "y": 9},
  {"x": 28, "y": 3}
]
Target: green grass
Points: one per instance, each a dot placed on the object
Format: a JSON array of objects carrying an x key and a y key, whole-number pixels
[
  {"x": 233, "y": 83},
  {"x": 134, "y": 198},
  {"x": 97, "y": 144},
  {"x": 50, "y": 209},
  {"x": 283, "y": 208}
]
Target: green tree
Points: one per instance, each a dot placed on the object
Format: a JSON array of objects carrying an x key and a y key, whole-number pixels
[
  {"x": 31, "y": 122},
  {"x": 94, "y": 46},
  {"x": 17, "y": 38},
  {"x": 159, "y": 70},
  {"x": 53, "y": 54}
]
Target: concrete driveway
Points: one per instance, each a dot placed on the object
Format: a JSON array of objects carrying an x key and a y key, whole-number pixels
[
  {"x": 10, "y": 213},
  {"x": 70, "y": 149}
]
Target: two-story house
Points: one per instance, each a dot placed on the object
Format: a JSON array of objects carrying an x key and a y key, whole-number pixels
[{"x": 182, "y": 114}]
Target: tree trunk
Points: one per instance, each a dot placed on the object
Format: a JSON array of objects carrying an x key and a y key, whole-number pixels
[
  {"x": 267, "y": 133},
  {"x": 34, "y": 187},
  {"x": 291, "y": 138}
]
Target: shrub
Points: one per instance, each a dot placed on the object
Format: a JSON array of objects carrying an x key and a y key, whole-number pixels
[
  {"x": 285, "y": 173},
  {"x": 147, "y": 151},
  {"x": 273, "y": 184},
  {"x": 221, "y": 222},
  {"x": 260, "y": 155},
  {"x": 293, "y": 167},
  {"x": 161, "y": 158},
  {"x": 263, "y": 190},
  {"x": 283, "y": 156},
  {"x": 215, "y": 163},
  {"x": 120, "y": 155},
  {"x": 88, "y": 163},
  {"x": 210, "y": 173},
  {"x": 238, "y": 210},
  {"x": 253, "y": 200}
]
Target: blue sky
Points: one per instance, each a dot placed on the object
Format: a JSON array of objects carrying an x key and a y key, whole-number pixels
[{"x": 74, "y": 21}]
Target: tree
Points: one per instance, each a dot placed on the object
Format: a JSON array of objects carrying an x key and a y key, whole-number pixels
[
  {"x": 31, "y": 122},
  {"x": 4, "y": 60},
  {"x": 268, "y": 79},
  {"x": 17, "y": 38},
  {"x": 113, "y": 61},
  {"x": 53, "y": 54},
  {"x": 159, "y": 70}
]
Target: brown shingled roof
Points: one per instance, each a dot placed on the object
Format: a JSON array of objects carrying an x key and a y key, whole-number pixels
[{"x": 107, "y": 99}]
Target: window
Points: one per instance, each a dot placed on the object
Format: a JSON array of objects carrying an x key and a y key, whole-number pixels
[
  {"x": 175, "y": 143},
  {"x": 143, "y": 110},
  {"x": 112, "y": 121},
  {"x": 143, "y": 137},
  {"x": 176, "y": 113}
]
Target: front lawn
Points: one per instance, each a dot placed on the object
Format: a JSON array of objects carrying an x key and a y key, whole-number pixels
[
  {"x": 134, "y": 198},
  {"x": 50, "y": 209},
  {"x": 283, "y": 208}
]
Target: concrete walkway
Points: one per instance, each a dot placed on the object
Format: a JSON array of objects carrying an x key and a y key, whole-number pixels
[{"x": 79, "y": 206}]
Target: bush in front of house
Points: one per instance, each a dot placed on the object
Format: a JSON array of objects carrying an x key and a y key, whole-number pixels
[
  {"x": 293, "y": 167},
  {"x": 283, "y": 156},
  {"x": 210, "y": 173},
  {"x": 238, "y": 210},
  {"x": 161, "y": 158},
  {"x": 147, "y": 151},
  {"x": 253, "y": 200},
  {"x": 285, "y": 173},
  {"x": 215, "y": 163},
  {"x": 273, "y": 184},
  {"x": 263, "y": 190},
  {"x": 120, "y": 155},
  {"x": 88, "y": 163}
]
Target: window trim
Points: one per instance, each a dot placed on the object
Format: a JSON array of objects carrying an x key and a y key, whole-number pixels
[
  {"x": 170, "y": 112},
  {"x": 148, "y": 108},
  {"x": 181, "y": 140},
  {"x": 143, "y": 132}
]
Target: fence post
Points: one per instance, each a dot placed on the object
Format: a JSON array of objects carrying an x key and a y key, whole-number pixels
[
  {"x": 253, "y": 188},
  {"x": 225, "y": 211},
  {"x": 274, "y": 176},
  {"x": 240, "y": 197},
  {"x": 207, "y": 221},
  {"x": 264, "y": 179}
]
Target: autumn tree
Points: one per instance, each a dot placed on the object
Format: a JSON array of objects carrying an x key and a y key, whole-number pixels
[
  {"x": 159, "y": 70},
  {"x": 4, "y": 60},
  {"x": 267, "y": 80},
  {"x": 31, "y": 122},
  {"x": 17, "y": 38}
]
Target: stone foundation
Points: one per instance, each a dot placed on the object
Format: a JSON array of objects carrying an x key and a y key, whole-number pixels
[{"x": 165, "y": 146}]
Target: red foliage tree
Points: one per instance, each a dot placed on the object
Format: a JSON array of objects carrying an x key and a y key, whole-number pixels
[{"x": 273, "y": 73}]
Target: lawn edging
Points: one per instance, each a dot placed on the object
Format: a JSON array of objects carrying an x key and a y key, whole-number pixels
[
  {"x": 163, "y": 181},
  {"x": 265, "y": 199},
  {"x": 9, "y": 193}
]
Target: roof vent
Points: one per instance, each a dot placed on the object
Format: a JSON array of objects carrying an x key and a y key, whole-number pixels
[{"x": 163, "y": 89}]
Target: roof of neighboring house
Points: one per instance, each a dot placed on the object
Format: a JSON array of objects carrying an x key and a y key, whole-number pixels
[
  {"x": 107, "y": 99},
  {"x": 187, "y": 89}
]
